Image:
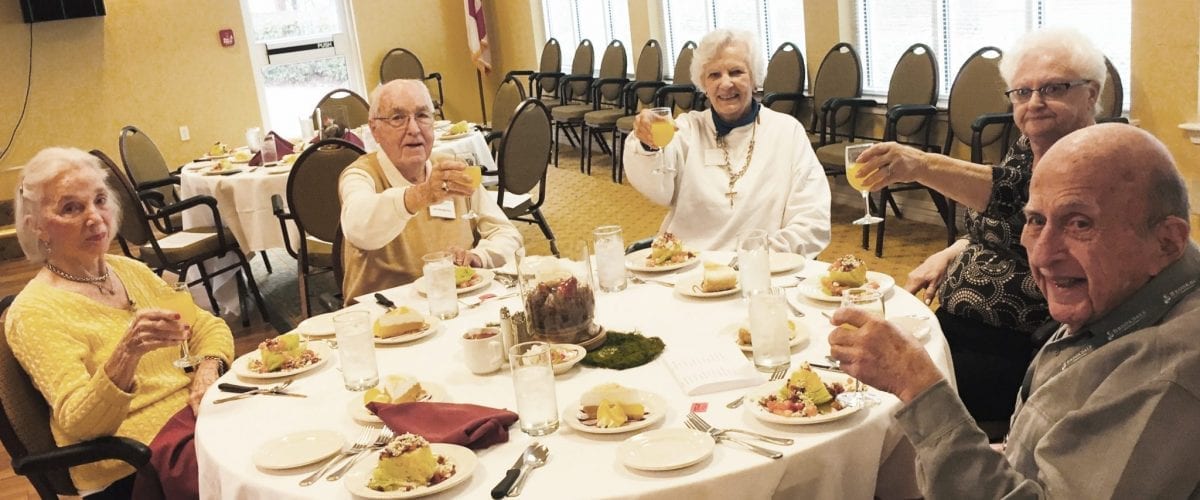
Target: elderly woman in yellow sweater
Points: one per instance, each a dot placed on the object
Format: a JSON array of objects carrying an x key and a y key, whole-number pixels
[{"x": 86, "y": 328}]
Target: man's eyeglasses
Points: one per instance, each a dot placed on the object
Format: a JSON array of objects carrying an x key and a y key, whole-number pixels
[
  {"x": 1047, "y": 91},
  {"x": 400, "y": 120}
]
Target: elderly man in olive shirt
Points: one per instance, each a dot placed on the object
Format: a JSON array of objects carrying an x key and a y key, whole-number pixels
[{"x": 1110, "y": 407}]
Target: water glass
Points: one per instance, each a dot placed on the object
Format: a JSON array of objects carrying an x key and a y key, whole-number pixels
[
  {"x": 753, "y": 260},
  {"x": 356, "y": 350},
  {"x": 769, "y": 330},
  {"x": 306, "y": 128},
  {"x": 439, "y": 285},
  {"x": 254, "y": 139},
  {"x": 533, "y": 381},
  {"x": 610, "y": 258},
  {"x": 269, "y": 154}
]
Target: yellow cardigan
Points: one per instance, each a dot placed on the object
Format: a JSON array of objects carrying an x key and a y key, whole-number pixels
[{"x": 62, "y": 339}]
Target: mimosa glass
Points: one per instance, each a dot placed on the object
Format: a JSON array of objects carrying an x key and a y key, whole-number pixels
[{"x": 852, "y": 176}]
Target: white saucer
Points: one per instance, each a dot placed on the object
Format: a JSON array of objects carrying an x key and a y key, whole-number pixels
[
  {"x": 297, "y": 449},
  {"x": 689, "y": 286},
  {"x": 665, "y": 449},
  {"x": 359, "y": 412},
  {"x": 799, "y": 335},
  {"x": 464, "y": 461},
  {"x": 656, "y": 407},
  {"x": 780, "y": 262}
]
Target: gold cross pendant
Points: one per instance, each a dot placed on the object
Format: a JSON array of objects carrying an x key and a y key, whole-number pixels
[{"x": 730, "y": 195}]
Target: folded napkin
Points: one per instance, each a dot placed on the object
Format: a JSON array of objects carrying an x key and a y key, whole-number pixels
[
  {"x": 282, "y": 147},
  {"x": 351, "y": 138},
  {"x": 476, "y": 427}
]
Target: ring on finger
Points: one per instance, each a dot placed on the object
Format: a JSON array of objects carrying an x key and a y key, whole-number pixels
[{"x": 445, "y": 187}]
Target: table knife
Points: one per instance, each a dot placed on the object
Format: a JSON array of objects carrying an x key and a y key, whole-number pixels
[
  {"x": 826, "y": 367},
  {"x": 510, "y": 476},
  {"x": 237, "y": 388},
  {"x": 384, "y": 301}
]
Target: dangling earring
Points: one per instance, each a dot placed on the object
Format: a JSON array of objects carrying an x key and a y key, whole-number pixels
[{"x": 44, "y": 246}]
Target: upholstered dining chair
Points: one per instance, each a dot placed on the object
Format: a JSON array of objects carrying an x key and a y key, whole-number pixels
[
  {"x": 25, "y": 432},
  {"x": 603, "y": 92},
  {"x": 647, "y": 77},
  {"x": 1112, "y": 96},
  {"x": 313, "y": 206},
  {"x": 783, "y": 85},
  {"x": 148, "y": 170},
  {"x": 679, "y": 95},
  {"x": 521, "y": 161},
  {"x": 839, "y": 76},
  {"x": 401, "y": 63},
  {"x": 543, "y": 83},
  {"x": 344, "y": 107},
  {"x": 910, "y": 107},
  {"x": 582, "y": 65},
  {"x": 508, "y": 96},
  {"x": 179, "y": 252}
]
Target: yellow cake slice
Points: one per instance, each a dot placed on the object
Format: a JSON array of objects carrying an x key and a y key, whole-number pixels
[
  {"x": 718, "y": 278},
  {"x": 612, "y": 405},
  {"x": 407, "y": 463},
  {"x": 399, "y": 321}
]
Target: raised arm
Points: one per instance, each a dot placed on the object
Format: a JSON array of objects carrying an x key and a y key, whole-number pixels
[{"x": 967, "y": 183}]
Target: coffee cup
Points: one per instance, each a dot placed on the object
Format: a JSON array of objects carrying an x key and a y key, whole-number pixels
[{"x": 483, "y": 350}]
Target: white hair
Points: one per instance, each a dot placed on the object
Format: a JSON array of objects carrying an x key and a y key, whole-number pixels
[
  {"x": 377, "y": 93},
  {"x": 1078, "y": 52},
  {"x": 715, "y": 41},
  {"x": 41, "y": 171}
]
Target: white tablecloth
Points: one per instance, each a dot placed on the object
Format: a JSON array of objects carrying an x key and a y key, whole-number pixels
[
  {"x": 244, "y": 201},
  {"x": 840, "y": 459},
  {"x": 474, "y": 143}
]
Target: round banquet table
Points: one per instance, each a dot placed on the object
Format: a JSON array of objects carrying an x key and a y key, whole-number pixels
[
  {"x": 243, "y": 200},
  {"x": 860, "y": 456}
]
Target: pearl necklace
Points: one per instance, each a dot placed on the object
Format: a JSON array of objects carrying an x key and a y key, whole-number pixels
[
  {"x": 734, "y": 176},
  {"x": 100, "y": 282}
]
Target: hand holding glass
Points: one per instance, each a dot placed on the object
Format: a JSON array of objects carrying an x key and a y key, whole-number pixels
[
  {"x": 475, "y": 174},
  {"x": 179, "y": 299},
  {"x": 662, "y": 130},
  {"x": 852, "y": 176},
  {"x": 870, "y": 301}
]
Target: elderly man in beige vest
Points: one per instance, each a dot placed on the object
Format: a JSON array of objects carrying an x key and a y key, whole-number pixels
[{"x": 398, "y": 206}]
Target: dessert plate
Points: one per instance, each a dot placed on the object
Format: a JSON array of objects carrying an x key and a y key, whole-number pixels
[
  {"x": 464, "y": 461},
  {"x": 228, "y": 171},
  {"x": 321, "y": 325},
  {"x": 761, "y": 413},
  {"x": 434, "y": 393},
  {"x": 431, "y": 327},
  {"x": 451, "y": 137},
  {"x": 297, "y": 449},
  {"x": 486, "y": 276},
  {"x": 915, "y": 325},
  {"x": 636, "y": 261},
  {"x": 815, "y": 292},
  {"x": 665, "y": 449},
  {"x": 689, "y": 286},
  {"x": 780, "y": 262},
  {"x": 656, "y": 409},
  {"x": 241, "y": 366},
  {"x": 800, "y": 333}
]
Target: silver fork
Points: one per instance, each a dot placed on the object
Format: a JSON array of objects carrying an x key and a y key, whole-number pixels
[
  {"x": 472, "y": 305},
  {"x": 266, "y": 390},
  {"x": 366, "y": 437},
  {"x": 638, "y": 280},
  {"x": 778, "y": 374},
  {"x": 385, "y": 437},
  {"x": 706, "y": 427},
  {"x": 718, "y": 437}
]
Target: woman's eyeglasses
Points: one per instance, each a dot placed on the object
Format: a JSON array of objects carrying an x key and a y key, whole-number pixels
[{"x": 1047, "y": 91}]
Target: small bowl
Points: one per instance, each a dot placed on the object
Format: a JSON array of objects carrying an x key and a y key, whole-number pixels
[{"x": 574, "y": 354}]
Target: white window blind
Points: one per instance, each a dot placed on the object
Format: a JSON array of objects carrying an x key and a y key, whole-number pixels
[
  {"x": 774, "y": 21},
  {"x": 601, "y": 21},
  {"x": 955, "y": 29}
]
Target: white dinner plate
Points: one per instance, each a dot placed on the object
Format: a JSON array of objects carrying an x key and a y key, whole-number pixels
[
  {"x": 451, "y": 137},
  {"x": 799, "y": 335},
  {"x": 241, "y": 366},
  {"x": 464, "y": 461},
  {"x": 781, "y": 262},
  {"x": 665, "y": 449},
  {"x": 431, "y": 327},
  {"x": 435, "y": 393},
  {"x": 216, "y": 157},
  {"x": 442, "y": 123},
  {"x": 916, "y": 325},
  {"x": 297, "y": 449},
  {"x": 689, "y": 286},
  {"x": 761, "y": 413},
  {"x": 278, "y": 169},
  {"x": 656, "y": 409},
  {"x": 486, "y": 274},
  {"x": 228, "y": 171},
  {"x": 321, "y": 325},
  {"x": 198, "y": 165},
  {"x": 811, "y": 288},
  {"x": 636, "y": 261}
]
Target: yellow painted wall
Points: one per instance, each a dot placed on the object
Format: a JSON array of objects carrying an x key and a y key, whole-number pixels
[
  {"x": 1166, "y": 40},
  {"x": 153, "y": 64}
]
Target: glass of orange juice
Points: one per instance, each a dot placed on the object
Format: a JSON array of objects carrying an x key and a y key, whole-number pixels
[
  {"x": 475, "y": 174},
  {"x": 179, "y": 299},
  {"x": 856, "y": 182},
  {"x": 662, "y": 130}
]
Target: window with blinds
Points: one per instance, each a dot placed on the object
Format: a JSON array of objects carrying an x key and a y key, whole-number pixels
[
  {"x": 774, "y": 21},
  {"x": 957, "y": 28},
  {"x": 601, "y": 21}
]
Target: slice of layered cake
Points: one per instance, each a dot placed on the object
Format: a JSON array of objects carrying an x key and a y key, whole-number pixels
[
  {"x": 407, "y": 463},
  {"x": 395, "y": 389},
  {"x": 610, "y": 405},
  {"x": 402, "y": 320}
]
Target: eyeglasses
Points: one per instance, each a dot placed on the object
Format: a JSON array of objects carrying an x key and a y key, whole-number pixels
[
  {"x": 400, "y": 120},
  {"x": 1047, "y": 91}
]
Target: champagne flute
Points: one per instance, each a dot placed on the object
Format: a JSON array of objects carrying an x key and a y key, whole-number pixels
[
  {"x": 179, "y": 299},
  {"x": 869, "y": 300},
  {"x": 852, "y": 168},
  {"x": 662, "y": 130},
  {"x": 475, "y": 173}
]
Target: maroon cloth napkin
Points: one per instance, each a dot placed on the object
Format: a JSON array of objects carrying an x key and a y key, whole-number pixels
[
  {"x": 282, "y": 147},
  {"x": 353, "y": 138},
  {"x": 172, "y": 472},
  {"x": 476, "y": 427}
]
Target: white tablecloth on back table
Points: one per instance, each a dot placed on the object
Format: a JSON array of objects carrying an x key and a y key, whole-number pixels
[
  {"x": 244, "y": 201},
  {"x": 840, "y": 459}
]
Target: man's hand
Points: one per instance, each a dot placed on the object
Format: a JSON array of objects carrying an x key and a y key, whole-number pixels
[
  {"x": 465, "y": 258},
  {"x": 446, "y": 179},
  {"x": 930, "y": 274},
  {"x": 205, "y": 376},
  {"x": 889, "y": 162},
  {"x": 880, "y": 355}
]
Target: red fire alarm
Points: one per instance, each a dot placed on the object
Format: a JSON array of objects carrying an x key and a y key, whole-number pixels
[{"x": 226, "y": 38}]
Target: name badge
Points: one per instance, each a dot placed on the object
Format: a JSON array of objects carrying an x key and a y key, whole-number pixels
[
  {"x": 714, "y": 157},
  {"x": 443, "y": 210}
]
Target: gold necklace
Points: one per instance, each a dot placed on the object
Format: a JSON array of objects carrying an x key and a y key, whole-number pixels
[
  {"x": 734, "y": 176},
  {"x": 100, "y": 282}
]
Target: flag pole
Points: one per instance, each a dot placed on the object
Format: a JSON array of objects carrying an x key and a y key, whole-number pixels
[{"x": 479, "y": 83}]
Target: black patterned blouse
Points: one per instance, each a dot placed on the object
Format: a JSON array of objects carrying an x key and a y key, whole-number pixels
[{"x": 990, "y": 281}]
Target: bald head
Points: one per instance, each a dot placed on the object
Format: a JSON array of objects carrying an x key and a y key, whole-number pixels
[{"x": 417, "y": 88}]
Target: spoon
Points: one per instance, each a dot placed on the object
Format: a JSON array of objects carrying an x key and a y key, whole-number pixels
[{"x": 535, "y": 456}]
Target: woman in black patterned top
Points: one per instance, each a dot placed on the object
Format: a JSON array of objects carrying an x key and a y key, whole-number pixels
[{"x": 990, "y": 304}]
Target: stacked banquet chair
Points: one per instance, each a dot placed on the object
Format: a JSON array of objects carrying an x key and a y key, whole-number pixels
[
  {"x": 911, "y": 104},
  {"x": 783, "y": 85},
  {"x": 402, "y": 64},
  {"x": 573, "y": 92},
  {"x": 543, "y": 83},
  {"x": 602, "y": 92},
  {"x": 646, "y": 77}
]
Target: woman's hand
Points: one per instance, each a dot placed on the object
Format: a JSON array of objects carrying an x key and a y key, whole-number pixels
[
  {"x": 889, "y": 162},
  {"x": 930, "y": 274},
  {"x": 150, "y": 329},
  {"x": 465, "y": 258},
  {"x": 641, "y": 127},
  {"x": 205, "y": 376}
]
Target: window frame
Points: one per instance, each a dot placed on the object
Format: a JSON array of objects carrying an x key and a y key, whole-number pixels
[{"x": 769, "y": 40}]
